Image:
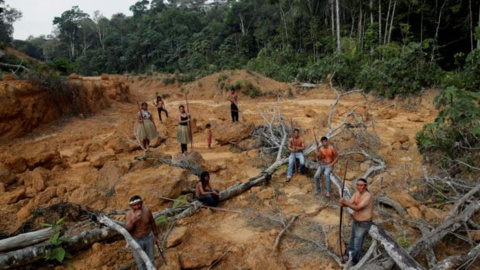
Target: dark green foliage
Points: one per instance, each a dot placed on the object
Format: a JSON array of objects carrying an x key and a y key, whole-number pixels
[
  {"x": 455, "y": 133},
  {"x": 169, "y": 80},
  {"x": 56, "y": 250}
]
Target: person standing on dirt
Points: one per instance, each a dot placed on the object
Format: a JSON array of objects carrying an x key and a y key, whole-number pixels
[
  {"x": 139, "y": 222},
  {"x": 296, "y": 147},
  {"x": 183, "y": 134},
  {"x": 145, "y": 130},
  {"x": 204, "y": 192},
  {"x": 208, "y": 135},
  {"x": 160, "y": 104},
  {"x": 233, "y": 98},
  {"x": 327, "y": 157},
  {"x": 362, "y": 205}
]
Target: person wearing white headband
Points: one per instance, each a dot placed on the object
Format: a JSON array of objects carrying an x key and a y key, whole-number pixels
[
  {"x": 362, "y": 205},
  {"x": 140, "y": 223}
]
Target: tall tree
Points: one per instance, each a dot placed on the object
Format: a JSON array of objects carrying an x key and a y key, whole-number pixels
[
  {"x": 8, "y": 16},
  {"x": 69, "y": 28}
]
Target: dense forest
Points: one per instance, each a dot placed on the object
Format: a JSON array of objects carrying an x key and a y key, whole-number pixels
[{"x": 389, "y": 47}]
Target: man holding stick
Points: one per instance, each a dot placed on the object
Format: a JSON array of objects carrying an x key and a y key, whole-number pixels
[
  {"x": 362, "y": 205},
  {"x": 139, "y": 222}
]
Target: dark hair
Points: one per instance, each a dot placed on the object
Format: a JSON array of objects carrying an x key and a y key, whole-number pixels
[
  {"x": 296, "y": 130},
  {"x": 159, "y": 97},
  {"x": 208, "y": 125},
  {"x": 134, "y": 198},
  {"x": 203, "y": 176},
  {"x": 144, "y": 103},
  {"x": 181, "y": 106},
  {"x": 324, "y": 139}
]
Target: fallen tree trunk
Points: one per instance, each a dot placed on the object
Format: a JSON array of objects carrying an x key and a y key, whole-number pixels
[
  {"x": 17, "y": 258},
  {"x": 453, "y": 262},
  {"x": 25, "y": 239},
  {"x": 397, "y": 253}
]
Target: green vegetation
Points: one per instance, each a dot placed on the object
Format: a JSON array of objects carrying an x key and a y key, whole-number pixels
[{"x": 57, "y": 252}]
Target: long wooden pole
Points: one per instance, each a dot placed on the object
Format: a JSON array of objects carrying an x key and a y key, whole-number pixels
[
  {"x": 190, "y": 133},
  {"x": 293, "y": 144},
  {"x": 341, "y": 210}
]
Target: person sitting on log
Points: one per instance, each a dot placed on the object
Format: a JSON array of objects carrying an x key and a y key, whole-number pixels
[
  {"x": 204, "y": 192},
  {"x": 139, "y": 222},
  {"x": 362, "y": 205},
  {"x": 296, "y": 147}
]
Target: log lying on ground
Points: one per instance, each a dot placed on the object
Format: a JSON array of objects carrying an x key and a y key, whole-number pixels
[
  {"x": 17, "y": 258},
  {"x": 25, "y": 239},
  {"x": 397, "y": 253}
]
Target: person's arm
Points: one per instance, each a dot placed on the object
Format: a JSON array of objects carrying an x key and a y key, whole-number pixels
[
  {"x": 363, "y": 203},
  {"x": 302, "y": 146},
  {"x": 151, "y": 116},
  {"x": 140, "y": 118},
  {"x": 212, "y": 190},
  {"x": 130, "y": 219},
  {"x": 335, "y": 156},
  {"x": 290, "y": 145}
]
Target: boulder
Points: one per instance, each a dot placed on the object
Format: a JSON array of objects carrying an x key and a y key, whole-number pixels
[
  {"x": 176, "y": 236},
  {"x": 98, "y": 159},
  {"x": 12, "y": 196},
  {"x": 105, "y": 77},
  {"x": 403, "y": 198},
  {"x": 45, "y": 196},
  {"x": 433, "y": 214},
  {"x": 117, "y": 145},
  {"x": 165, "y": 180},
  {"x": 16, "y": 164},
  {"x": 233, "y": 132},
  {"x": 44, "y": 157},
  {"x": 36, "y": 179},
  {"x": 6, "y": 177}
]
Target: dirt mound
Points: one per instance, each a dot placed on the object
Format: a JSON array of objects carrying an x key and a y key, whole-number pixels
[{"x": 25, "y": 107}]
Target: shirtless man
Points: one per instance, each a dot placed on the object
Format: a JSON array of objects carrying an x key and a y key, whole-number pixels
[
  {"x": 141, "y": 225},
  {"x": 232, "y": 97},
  {"x": 295, "y": 145},
  {"x": 327, "y": 157},
  {"x": 362, "y": 205}
]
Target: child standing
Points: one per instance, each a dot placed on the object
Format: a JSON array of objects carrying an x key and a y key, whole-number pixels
[{"x": 208, "y": 133}]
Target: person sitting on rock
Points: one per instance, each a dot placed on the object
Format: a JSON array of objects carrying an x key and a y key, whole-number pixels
[
  {"x": 204, "y": 192},
  {"x": 145, "y": 130},
  {"x": 296, "y": 147}
]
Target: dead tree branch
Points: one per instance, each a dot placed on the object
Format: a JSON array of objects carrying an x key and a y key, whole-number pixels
[{"x": 277, "y": 240}]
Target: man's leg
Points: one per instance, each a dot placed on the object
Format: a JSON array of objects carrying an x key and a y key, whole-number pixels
[
  {"x": 150, "y": 247},
  {"x": 316, "y": 178},
  {"x": 166, "y": 113},
  {"x": 351, "y": 243},
  {"x": 159, "y": 114},
  {"x": 291, "y": 161},
  {"x": 328, "y": 171},
  {"x": 301, "y": 159},
  {"x": 359, "y": 234}
]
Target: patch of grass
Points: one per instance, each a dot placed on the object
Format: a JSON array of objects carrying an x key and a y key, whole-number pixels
[{"x": 169, "y": 80}]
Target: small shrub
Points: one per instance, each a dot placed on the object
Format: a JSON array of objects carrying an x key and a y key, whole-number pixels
[{"x": 57, "y": 252}]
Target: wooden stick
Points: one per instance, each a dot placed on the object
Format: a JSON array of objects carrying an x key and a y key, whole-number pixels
[
  {"x": 189, "y": 122},
  {"x": 341, "y": 210},
  {"x": 294, "y": 157},
  {"x": 219, "y": 259},
  {"x": 279, "y": 236}
]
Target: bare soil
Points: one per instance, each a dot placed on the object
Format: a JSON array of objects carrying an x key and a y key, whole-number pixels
[{"x": 80, "y": 176}]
